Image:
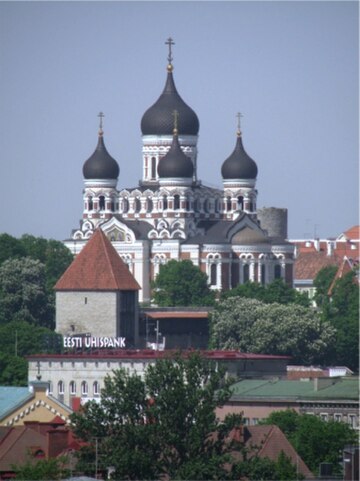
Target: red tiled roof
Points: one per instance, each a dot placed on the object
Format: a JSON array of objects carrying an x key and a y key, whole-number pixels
[
  {"x": 267, "y": 441},
  {"x": 177, "y": 315},
  {"x": 98, "y": 267},
  {"x": 151, "y": 354},
  {"x": 15, "y": 446},
  {"x": 308, "y": 264},
  {"x": 353, "y": 232}
]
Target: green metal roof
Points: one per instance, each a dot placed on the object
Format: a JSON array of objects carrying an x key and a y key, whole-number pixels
[
  {"x": 11, "y": 397},
  {"x": 344, "y": 388}
]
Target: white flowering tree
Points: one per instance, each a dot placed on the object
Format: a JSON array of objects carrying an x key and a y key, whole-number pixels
[{"x": 252, "y": 326}]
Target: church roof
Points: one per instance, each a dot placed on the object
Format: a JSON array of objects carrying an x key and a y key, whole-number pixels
[
  {"x": 98, "y": 267},
  {"x": 239, "y": 165},
  {"x": 159, "y": 120},
  {"x": 100, "y": 165},
  {"x": 175, "y": 164}
]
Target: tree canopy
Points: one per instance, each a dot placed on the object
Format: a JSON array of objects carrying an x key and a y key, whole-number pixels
[
  {"x": 315, "y": 440},
  {"x": 180, "y": 283},
  {"x": 253, "y": 326},
  {"x": 29, "y": 269},
  {"x": 341, "y": 310},
  {"x": 164, "y": 423},
  {"x": 276, "y": 291}
]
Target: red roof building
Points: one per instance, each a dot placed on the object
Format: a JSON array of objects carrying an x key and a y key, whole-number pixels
[
  {"x": 312, "y": 255},
  {"x": 97, "y": 294}
]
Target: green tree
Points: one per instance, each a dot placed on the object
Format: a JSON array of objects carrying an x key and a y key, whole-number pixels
[
  {"x": 44, "y": 469},
  {"x": 276, "y": 291},
  {"x": 17, "y": 340},
  {"x": 315, "y": 440},
  {"x": 180, "y": 283},
  {"x": 253, "y": 326},
  {"x": 23, "y": 292},
  {"x": 322, "y": 283},
  {"x": 10, "y": 247},
  {"x": 162, "y": 424},
  {"x": 341, "y": 310},
  {"x": 55, "y": 256},
  {"x": 265, "y": 469}
]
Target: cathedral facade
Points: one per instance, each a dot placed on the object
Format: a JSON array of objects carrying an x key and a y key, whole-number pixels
[{"x": 172, "y": 215}]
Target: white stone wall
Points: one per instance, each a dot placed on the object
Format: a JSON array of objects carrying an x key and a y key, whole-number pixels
[
  {"x": 86, "y": 312},
  {"x": 88, "y": 370}
]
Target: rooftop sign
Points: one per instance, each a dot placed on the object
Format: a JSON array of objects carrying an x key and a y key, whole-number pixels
[{"x": 95, "y": 342}]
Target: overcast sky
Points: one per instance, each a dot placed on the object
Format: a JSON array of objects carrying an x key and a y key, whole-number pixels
[{"x": 291, "y": 68}]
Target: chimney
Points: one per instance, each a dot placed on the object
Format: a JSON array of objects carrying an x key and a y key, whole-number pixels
[
  {"x": 57, "y": 441},
  {"x": 329, "y": 248}
]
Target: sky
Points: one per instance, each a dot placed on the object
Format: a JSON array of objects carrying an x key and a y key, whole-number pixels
[{"x": 291, "y": 68}]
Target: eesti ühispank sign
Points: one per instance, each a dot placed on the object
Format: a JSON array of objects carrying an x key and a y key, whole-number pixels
[{"x": 95, "y": 342}]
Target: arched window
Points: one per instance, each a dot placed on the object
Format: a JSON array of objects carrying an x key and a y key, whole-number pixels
[
  {"x": 61, "y": 387},
  {"x": 263, "y": 271},
  {"x": 112, "y": 204},
  {"x": 149, "y": 205},
  {"x": 165, "y": 202},
  {"x": 153, "y": 167},
  {"x": 277, "y": 271},
  {"x": 96, "y": 388},
  {"x": 90, "y": 203},
  {"x": 84, "y": 388},
  {"x": 101, "y": 202},
  {"x": 72, "y": 388},
  {"x": 246, "y": 273},
  {"x": 137, "y": 205},
  {"x": 176, "y": 202},
  {"x": 240, "y": 201},
  {"x": 213, "y": 269},
  {"x": 228, "y": 204},
  {"x": 125, "y": 205}
]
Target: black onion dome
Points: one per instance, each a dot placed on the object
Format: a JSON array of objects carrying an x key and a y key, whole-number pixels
[
  {"x": 175, "y": 164},
  {"x": 239, "y": 165},
  {"x": 100, "y": 165},
  {"x": 159, "y": 120}
]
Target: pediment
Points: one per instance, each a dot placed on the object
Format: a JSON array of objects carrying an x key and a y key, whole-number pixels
[{"x": 117, "y": 231}]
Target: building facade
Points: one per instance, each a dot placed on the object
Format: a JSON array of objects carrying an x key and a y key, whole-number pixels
[
  {"x": 80, "y": 374},
  {"x": 172, "y": 215}
]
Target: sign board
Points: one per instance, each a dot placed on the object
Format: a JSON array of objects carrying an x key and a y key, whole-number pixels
[{"x": 93, "y": 342}]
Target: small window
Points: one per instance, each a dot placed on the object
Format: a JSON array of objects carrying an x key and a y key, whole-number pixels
[
  {"x": 337, "y": 417},
  {"x": 246, "y": 273},
  {"x": 84, "y": 388},
  {"x": 61, "y": 387},
  {"x": 213, "y": 274},
  {"x": 96, "y": 388},
  {"x": 153, "y": 167},
  {"x": 72, "y": 388},
  {"x": 102, "y": 202},
  {"x": 165, "y": 203},
  {"x": 228, "y": 204},
  {"x": 176, "y": 202},
  {"x": 277, "y": 271},
  {"x": 90, "y": 203},
  {"x": 137, "y": 205},
  {"x": 324, "y": 416},
  {"x": 85, "y": 300},
  {"x": 263, "y": 271}
]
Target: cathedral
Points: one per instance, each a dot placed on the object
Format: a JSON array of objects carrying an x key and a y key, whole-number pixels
[{"x": 172, "y": 215}]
